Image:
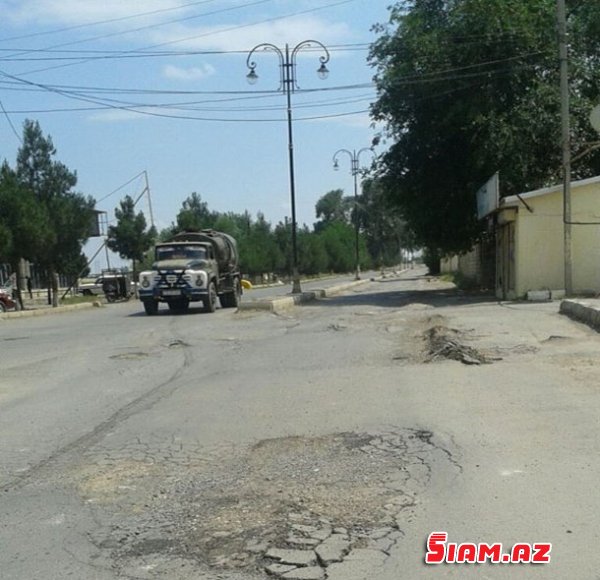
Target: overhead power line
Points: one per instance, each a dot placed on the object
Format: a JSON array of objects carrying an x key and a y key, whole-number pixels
[
  {"x": 107, "y": 21},
  {"x": 194, "y": 37},
  {"x": 100, "y": 55}
]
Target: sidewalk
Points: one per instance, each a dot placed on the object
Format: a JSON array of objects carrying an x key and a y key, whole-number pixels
[
  {"x": 38, "y": 306},
  {"x": 586, "y": 310},
  {"x": 282, "y": 303}
]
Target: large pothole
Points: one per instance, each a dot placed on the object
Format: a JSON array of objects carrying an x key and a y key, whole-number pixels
[{"x": 287, "y": 504}]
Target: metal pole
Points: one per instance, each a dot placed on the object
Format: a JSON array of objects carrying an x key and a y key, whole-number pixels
[
  {"x": 356, "y": 224},
  {"x": 566, "y": 143},
  {"x": 288, "y": 79},
  {"x": 354, "y": 171},
  {"x": 149, "y": 199},
  {"x": 287, "y": 63}
]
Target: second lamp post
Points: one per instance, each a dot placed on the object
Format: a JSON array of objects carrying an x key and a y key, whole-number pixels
[
  {"x": 287, "y": 64},
  {"x": 354, "y": 170}
]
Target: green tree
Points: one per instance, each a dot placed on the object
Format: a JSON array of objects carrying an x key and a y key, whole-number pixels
[
  {"x": 283, "y": 238},
  {"x": 67, "y": 214},
  {"x": 470, "y": 87},
  {"x": 333, "y": 207},
  {"x": 24, "y": 227},
  {"x": 194, "y": 215},
  {"x": 260, "y": 253},
  {"x": 385, "y": 230},
  {"x": 130, "y": 237},
  {"x": 338, "y": 239},
  {"x": 312, "y": 254}
]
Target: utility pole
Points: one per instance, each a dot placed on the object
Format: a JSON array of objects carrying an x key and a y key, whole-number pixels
[
  {"x": 147, "y": 189},
  {"x": 354, "y": 170},
  {"x": 566, "y": 142},
  {"x": 288, "y": 84}
]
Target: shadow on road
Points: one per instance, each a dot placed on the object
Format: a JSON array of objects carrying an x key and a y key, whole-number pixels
[
  {"x": 436, "y": 297},
  {"x": 163, "y": 310}
]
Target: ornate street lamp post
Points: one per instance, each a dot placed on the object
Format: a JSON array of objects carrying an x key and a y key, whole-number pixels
[
  {"x": 354, "y": 170},
  {"x": 287, "y": 64}
]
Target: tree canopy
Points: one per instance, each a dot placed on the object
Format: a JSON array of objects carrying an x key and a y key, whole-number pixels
[
  {"x": 470, "y": 87},
  {"x": 43, "y": 219},
  {"x": 130, "y": 237}
]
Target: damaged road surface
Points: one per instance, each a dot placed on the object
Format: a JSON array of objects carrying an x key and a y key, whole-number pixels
[{"x": 324, "y": 444}]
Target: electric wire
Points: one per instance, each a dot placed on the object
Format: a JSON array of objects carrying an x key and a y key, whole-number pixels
[
  {"x": 144, "y": 108},
  {"x": 107, "y": 21},
  {"x": 121, "y": 187},
  {"x": 10, "y": 123},
  {"x": 203, "y": 35}
]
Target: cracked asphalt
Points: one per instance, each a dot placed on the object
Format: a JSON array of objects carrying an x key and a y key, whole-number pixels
[{"x": 326, "y": 443}]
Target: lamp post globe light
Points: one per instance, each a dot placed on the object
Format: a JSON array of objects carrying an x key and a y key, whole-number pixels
[
  {"x": 354, "y": 170},
  {"x": 288, "y": 85}
]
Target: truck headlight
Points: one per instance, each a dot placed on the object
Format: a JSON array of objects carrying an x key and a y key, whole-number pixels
[
  {"x": 146, "y": 279},
  {"x": 199, "y": 281}
]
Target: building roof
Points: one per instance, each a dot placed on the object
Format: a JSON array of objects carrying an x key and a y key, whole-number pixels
[{"x": 513, "y": 200}]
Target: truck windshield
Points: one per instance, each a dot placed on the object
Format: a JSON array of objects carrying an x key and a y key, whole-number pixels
[{"x": 180, "y": 252}]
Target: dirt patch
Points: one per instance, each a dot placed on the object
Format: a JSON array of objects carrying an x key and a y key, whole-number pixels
[
  {"x": 434, "y": 340},
  {"x": 444, "y": 343}
]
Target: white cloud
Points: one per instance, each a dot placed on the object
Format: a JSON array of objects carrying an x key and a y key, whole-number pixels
[
  {"x": 243, "y": 36},
  {"x": 188, "y": 74},
  {"x": 116, "y": 116},
  {"x": 73, "y": 12},
  {"x": 228, "y": 30}
]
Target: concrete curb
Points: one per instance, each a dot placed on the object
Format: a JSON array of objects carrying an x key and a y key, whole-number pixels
[
  {"x": 44, "y": 311},
  {"x": 286, "y": 302},
  {"x": 582, "y": 311},
  {"x": 269, "y": 304}
]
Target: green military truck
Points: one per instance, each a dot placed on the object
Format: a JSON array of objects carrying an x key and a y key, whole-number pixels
[{"x": 193, "y": 267}]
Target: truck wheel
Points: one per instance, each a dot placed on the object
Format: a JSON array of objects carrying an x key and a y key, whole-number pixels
[
  {"x": 210, "y": 302},
  {"x": 232, "y": 299},
  {"x": 150, "y": 306}
]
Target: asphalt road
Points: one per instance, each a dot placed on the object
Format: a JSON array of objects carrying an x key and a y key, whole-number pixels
[{"x": 203, "y": 446}]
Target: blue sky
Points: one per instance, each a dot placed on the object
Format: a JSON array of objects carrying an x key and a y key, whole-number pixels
[{"x": 124, "y": 86}]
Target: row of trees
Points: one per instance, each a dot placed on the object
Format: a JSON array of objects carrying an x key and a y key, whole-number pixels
[
  {"x": 43, "y": 219},
  {"x": 328, "y": 247},
  {"x": 470, "y": 87}
]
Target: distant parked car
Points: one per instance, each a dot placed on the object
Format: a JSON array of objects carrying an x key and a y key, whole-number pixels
[
  {"x": 89, "y": 287},
  {"x": 6, "y": 301},
  {"x": 122, "y": 286}
]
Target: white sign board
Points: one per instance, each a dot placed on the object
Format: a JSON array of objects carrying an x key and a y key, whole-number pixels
[{"x": 488, "y": 197}]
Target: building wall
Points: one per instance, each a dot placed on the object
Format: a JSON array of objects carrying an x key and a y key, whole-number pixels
[
  {"x": 449, "y": 264},
  {"x": 477, "y": 265},
  {"x": 467, "y": 264},
  {"x": 540, "y": 242}
]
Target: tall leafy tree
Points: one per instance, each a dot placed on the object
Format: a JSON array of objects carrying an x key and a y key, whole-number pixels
[
  {"x": 194, "y": 214},
  {"x": 260, "y": 254},
  {"x": 385, "y": 231},
  {"x": 332, "y": 207},
  {"x": 470, "y": 87},
  {"x": 338, "y": 239},
  {"x": 24, "y": 227},
  {"x": 312, "y": 254},
  {"x": 66, "y": 213},
  {"x": 130, "y": 237}
]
